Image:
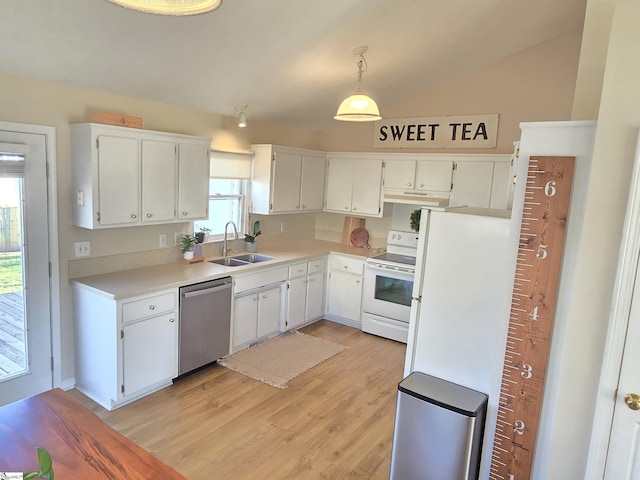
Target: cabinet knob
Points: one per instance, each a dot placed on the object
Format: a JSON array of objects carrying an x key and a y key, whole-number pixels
[
  {"x": 152, "y": 307},
  {"x": 172, "y": 320},
  {"x": 357, "y": 281},
  {"x": 255, "y": 299},
  {"x": 304, "y": 206},
  {"x": 346, "y": 267},
  {"x": 264, "y": 296},
  {"x": 346, "y": 207},
  {"x": 354, "y": 209},
  {"x": 408, "y": 184},
  {"x": 421, "y": 185},
  {"x": 149, "y": 215},
  {"x": 184, "y": 213},
  {"x": 133, "y": 215}
]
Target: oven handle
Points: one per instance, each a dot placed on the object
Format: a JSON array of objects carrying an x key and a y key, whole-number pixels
[{"x": 377, "y": 266}]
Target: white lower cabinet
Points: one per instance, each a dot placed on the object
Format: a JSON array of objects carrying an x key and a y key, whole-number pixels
[
  {"x": 257, "y": 306},
  {"x": 344, "y": 290},
  {"x": 149, "y": 355},
  {"x": 125, "y": 348},
  {"x": 305, "y": 292}
]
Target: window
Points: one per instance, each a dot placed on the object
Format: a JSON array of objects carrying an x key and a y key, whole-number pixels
[
  {"x": 228, "y": 186},
  {"x": 226, "y": 203}
]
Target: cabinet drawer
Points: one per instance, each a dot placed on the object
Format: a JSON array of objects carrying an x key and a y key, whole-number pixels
[
  {"x": 148, "y": 306},
  {"x": 259, "y": 279},
  {"x": 298, "y": 270},
  {"x": 315, "y": 266},
  {"x": 346, "y": 264}
]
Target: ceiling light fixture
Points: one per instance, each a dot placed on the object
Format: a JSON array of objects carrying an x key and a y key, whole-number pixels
[
  {"x": 170, "y": 7},
  {"x": 359, "y": 107},
  {"x": 242, "y": 118}
]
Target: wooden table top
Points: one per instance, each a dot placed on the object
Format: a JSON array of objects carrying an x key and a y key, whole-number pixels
[{"x": 81, "y": 445}]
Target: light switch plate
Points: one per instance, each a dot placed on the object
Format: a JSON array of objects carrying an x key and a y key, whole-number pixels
[{"x": 83, "y": 249}]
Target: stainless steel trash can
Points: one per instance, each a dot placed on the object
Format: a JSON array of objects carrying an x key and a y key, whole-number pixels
[{"x": 438, "y": 430}]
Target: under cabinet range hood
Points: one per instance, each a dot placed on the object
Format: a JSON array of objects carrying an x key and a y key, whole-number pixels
[{"x": 415, "y": 198}]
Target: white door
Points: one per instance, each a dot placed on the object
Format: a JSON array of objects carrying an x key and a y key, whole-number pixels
[
  {"x": 158, "y": 181},
  {"x": 286, "y": 183},
  {"x": 193, "y": 178},
  {"x": 472, "y": 184},
  {"x": 339, "y": 185},
  {"x": 25, "y": 315},
  {"x": 367, "y": 187},
  {"x": 312, "y": 183},
  {"x": 623, "y": 459}
]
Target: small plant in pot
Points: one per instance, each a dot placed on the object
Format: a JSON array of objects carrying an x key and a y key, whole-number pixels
[
  {"x": 250, "y": 238},
  {"x": 414, "y": 220},
  {"x": 202, "y": 234},
  {"x": 187, "y": 242}
]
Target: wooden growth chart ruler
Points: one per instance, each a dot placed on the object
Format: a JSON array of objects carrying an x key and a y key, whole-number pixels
[{"x": 533, "y": 306}]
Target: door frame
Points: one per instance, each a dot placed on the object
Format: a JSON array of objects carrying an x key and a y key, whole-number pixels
[
  {"x": 616, "y": 334},
  {"x": 52, "y": 211}
]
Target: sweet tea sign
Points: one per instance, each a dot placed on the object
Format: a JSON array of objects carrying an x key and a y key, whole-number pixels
[{"x": 468, "y": 131}]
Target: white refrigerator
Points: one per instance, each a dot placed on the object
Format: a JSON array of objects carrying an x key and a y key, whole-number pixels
[{"x": 462, "y": 292}]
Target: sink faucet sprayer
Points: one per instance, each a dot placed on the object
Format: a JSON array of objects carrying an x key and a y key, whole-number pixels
[{"x": 225, "y": 250}]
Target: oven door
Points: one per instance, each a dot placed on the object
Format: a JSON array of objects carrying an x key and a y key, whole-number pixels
[{"x": 387, "y": 291}]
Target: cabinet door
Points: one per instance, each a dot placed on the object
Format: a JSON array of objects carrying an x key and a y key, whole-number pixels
[
  {"x": 400, "y": 174},
  {"x": 315, "y": 296},
  {"x": 150, "y": 352},
  {"x": 472, "y": 184},
  {"x": 245, "y": 319},
  {"x": 158, "y": 181},
  {"x": 296, "y": 296},
  {"x": 118, "y": 180},
  {"x": 312, "y": 183},
  {"x": 339, "y": 185},
  {"x": 367, "y": 187},
  {"x": 501, "y": 185},
  {"x": 285, "y": 189},
  {"x": 193, "y": 178},
  {"x": 345, "y": 295},
  {"x": 269, "y": 310},
  {"x": 434, "y": 175}
]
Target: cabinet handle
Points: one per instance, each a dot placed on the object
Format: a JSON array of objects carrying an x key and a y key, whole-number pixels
[
  {"x": 172, "y": 320},
  {"x": 184, "y": 213},
  {"x": 149, "y": 215},
  {"x": 133, "y": 215},
  {"x": 152, "y": 307}
]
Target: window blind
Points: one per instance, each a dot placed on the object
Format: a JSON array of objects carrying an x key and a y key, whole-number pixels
[{"x": 230, "y": 165}]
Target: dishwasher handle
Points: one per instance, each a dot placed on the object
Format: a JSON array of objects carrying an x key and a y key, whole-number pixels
[{"x": 205, "y": 291}]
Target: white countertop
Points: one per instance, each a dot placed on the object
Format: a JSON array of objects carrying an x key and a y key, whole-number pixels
[{"x": 140, "y": 281}]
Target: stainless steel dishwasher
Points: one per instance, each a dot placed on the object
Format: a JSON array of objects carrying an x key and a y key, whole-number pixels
[{"x": 205, "y": 323}]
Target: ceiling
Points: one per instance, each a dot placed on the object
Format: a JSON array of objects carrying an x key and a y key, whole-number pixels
[{"x": 290, "y": 61}]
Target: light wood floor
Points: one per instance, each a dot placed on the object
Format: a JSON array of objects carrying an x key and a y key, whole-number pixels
[{"x": 332, "y": 422}]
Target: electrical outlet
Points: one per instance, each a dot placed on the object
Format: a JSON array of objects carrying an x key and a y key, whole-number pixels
[
  {"x": 283, "y": 226},
  {"x": 83, "y": 249},
  {"x": 163, "y": 240}
]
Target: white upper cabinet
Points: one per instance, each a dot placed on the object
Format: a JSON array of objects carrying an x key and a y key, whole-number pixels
[
  {"x": 193, "y": 193},
  {"x": 287, "y": 180},
  {"x": 354, "y": 185},
  {"x": 158, "y": 181},
  {"x": 127, "y": 176},
  {"x": 400, "y": 174},
  {"x": 482, "y": 182},
  {"x": 434, "y": 175}
]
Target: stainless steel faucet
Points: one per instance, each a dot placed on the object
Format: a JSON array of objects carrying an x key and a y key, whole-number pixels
[{"x": 225, "y": 249}]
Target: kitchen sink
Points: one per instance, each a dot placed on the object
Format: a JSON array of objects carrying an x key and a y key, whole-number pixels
[
  {"x": 252, "y": 258},
  {"x": 238, "y": 261}
]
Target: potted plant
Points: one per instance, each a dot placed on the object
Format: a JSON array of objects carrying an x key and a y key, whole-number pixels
[
  {"x": 44, "y": 463},
  {"x": 203, "y": 233},
  {"x": 187, "y": 242},
  {"x": 414, "y": 220},
  {"x": 250, "y": 239}
]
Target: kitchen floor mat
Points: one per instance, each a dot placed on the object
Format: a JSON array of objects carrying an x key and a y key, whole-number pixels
[{"x": 282, "y": 358}]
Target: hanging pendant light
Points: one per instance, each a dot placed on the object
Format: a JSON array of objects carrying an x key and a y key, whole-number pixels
[
  {"x": 242, "y": 118},
  {"x": 170, "y": 7},
  {"x": 358, "y": 107}
]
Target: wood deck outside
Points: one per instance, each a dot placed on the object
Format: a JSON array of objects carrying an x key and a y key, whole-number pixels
[{"x": 12, "y": 341}]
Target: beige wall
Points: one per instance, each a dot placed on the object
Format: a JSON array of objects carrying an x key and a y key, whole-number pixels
[
  {"x": 615, "y": 146},
  {"x": 518, "y": 88},
  {"x": 534, "y": 85}
]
